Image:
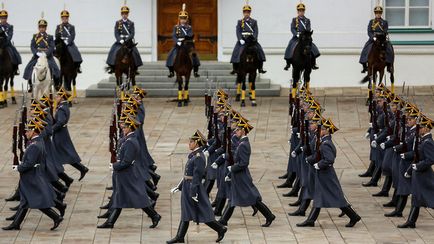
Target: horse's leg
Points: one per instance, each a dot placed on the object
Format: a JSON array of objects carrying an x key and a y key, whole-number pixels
[
  {"x": 179, "y": 80},
  {"x": 2, "y": 105},
  {"x": 121, "y": 82},
  {"x": 74, "y": 90},
  {"x": 295, "y": 79},
  {"x": 306, "y": 77},
  {"x": 252, "y": 80},
  {"x": 392, "y": 82},
  {"x": 186, "y": 94},
  {"x": 5, "y": 91},
  {"x": 238, "y": 83},
  {"x": 14, "y": 101},
  {"x": 243, "y": 89},
  {"x": 250, "y": 86}
]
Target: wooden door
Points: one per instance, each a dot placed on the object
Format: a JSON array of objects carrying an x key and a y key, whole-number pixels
[{"x": 202, "y": 18}]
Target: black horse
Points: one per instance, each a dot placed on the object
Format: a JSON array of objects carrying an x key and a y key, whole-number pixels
[
  {"x": 249, "y": 64},
  {"x": 68, "y": 70},
  {"x": 125, "y": 65},
  {"x": 183, "y": 66},
  {"x": 7, "y": 71}
]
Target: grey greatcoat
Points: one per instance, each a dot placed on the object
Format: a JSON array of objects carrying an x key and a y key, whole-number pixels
[
  {"x": 293, "y": 142},
  {"x": 124, "y": 30},
  {"x": 374, "y": 26},
  {"x": 246, "y": 26},
  {"x": 66, "y": 153},
  {"x": 422, "y": 179},
  {"x": 67, "y": 34},
  {"x": 180, "y": 32},
  {"x": 42, "y": 42},
  {"x": 35, "y": 191},
  {"x": 130, "y": 189},
  {"x": 201, "y": 211},
  {"x": 13, "y": 52},
  {"x": 328, "y": 190},
  {"x": 243, "y": 192},
  {"x": 404, "y": 184},
  {"x": 51, "y": 166},
  {"x": 298, "y": 25}
]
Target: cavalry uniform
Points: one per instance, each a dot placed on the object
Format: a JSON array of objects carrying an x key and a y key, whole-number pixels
[
  {"x": 180, "y": 32},
  {"x": 124, "y": 31},
  {"x": 66, "y": 33},
  {"x": 8, "y": 30},
  {"x": 377, "y": 25},
  {"x": 299, "y": 24},
  {"x": 247, "y": 27},
  {"x": 42, "y": 42}
]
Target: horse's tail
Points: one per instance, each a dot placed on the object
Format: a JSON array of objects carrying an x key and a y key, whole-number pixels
[{"x": 365, "y": 79}]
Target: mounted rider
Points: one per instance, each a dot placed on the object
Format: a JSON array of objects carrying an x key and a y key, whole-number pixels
[
  {"x": 247, "y": 27},
  {"x": 180, "y": 32},
  {"x": 377, "y": 25},
  {"x": 8, "y": 30},
  {"x": 66, "y": 31},
  {"x": 41, "y": 43},
  {"x": 124, "y": 32},
  {"x": 298, "y": 25}
]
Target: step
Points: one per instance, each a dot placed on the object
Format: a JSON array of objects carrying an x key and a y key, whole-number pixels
[
  {"x": 95, "y": 91},
  {"x": 193, "y": 85},
  {"x": 204, "y": 66},
  {"x": 205, "y": 73},
  {"x": 146, "y": 79}
]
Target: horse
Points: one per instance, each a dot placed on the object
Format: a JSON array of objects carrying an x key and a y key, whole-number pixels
[
  {"x": 125, "y": 65},
  {"x": 377, "y": 62},
  {"x": 249, "y": 64},
  {"x": 41, "y": 77},
  {"x": 183, "y": 66},
  {"x": 7, "y": 72},
  {"x": 68, "y": 70}
]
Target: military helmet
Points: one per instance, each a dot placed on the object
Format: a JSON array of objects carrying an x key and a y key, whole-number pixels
[
  {"x": 42, "y": 22},
  {"x": 247, "y": 8},
  {"x": 64, "y": 13},
  {"x": 199, "y": 138},
  {"x": 242, "y": 124},
  {"x": 183, "y": 13},
  {"x": 378, "y": 9},
  {"x": 45, "y": 100},
  {"x": 3, "y": 13},
  {"x": 301, "y": 6},
  {"x": 328, "y": 124},
  {"x": 63, "y": 93},
  {"x": 131, "y": 122},
  {"x": 125, "y": 10},
  {"x": 34, "y": 125},
  {"x": 140, "y": 92},
  {"x": 426, "y": 122}
]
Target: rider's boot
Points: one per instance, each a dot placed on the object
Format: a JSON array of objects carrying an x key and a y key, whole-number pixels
[
  {"x": 196, "y": 71},
  {"x": 234, "y": 68},
  {"x": 389, "y": 67},
  {"x": 171, "y": 72},
  {"x": 79, "y": 68},
  {"x": 365, "y": 67},
  {"x": 111, "y": 69},
  {"x": 288, "y": 65},
  {"x": 314, "y": 65},
  {"x": 17, "y": 71},
  {"x": 261, "y": 68},
  {"x": 30, "y": 89}
]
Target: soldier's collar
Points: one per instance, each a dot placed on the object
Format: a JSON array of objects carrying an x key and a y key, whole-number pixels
[{"x": 426, "y": 135}]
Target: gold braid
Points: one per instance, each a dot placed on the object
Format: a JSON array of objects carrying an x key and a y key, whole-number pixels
[
  {"x": 296, "y": 23},
  {"x": 242, "y": 23}
]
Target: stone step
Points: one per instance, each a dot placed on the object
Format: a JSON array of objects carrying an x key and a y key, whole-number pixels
[
  {"x": 95, "y": 91},
  {"x": 146, "y": 79},
  {"x": 204, "y": 66},
  {"x": 211, "y": 73}
]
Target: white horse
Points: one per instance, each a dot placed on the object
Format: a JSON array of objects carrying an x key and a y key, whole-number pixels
[{"x": 41, "y": 77}]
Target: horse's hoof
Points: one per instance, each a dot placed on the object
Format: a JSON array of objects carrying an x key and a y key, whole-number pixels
[
  {"x": 179, "y": 104},
  {"x": 14, "y": 101},
  {"x": 238, "y": 98},
  {"x": 253, "y": 103},
  {"x": 185, "y": 104},
  {"x": 243, "y": 104}
]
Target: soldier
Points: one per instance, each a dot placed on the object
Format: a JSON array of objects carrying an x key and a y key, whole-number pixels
[
  {"x": 180, "y": 32},
  {"x": 195, "y": 204},
  {"x": 328, "y": 190},
  {"x": 65, "y": 149},
  {"x": 421, "y": 173},
  {"x": 36, "y": 193},
  {"x": 124, "y": 32},
  {"x": 66, "y": 32},
  {"x": 243, "y": 192},
  {"x": 8, "y": 30},
  {"x": 247, "y": 27},
  {"x": 298, "y": 25},
  {"x": 377, "y": 25},
  {"x": 41, "y": 44},
  {"x": 129, "y": 191}
]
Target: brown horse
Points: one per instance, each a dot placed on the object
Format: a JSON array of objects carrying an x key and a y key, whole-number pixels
[
  {"x": 68, "y": 70},
  {"x": 377, "y": 62},
  {"x": 183, "y": 66},
  {"x": 7, "y": 72},
  {"x": 249, "y": 64}
]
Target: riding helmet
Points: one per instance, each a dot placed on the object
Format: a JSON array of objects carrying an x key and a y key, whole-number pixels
[
  {"x": 64, "y": 13},
  {"x": 301, "y": 6},
  {"x": 125, "y": 10},
  {"x": 3, "y": 13},
  {"x": 183, "y": 13},
  {"x": 378, "y": 9},
  {"x": 247, "y": 8},
  {"x": 42, "y": 22}
]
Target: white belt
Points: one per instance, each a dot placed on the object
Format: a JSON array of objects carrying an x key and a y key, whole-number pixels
[
  {"x": 64, "y": 126},
  {"x": 246, "y": 33},
  {"x": 124, "y": 36},
  {"x": 36, "y": 165}
]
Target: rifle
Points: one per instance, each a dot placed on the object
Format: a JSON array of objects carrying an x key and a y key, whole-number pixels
[
  {"x": 22, "y": 139},
  {"x": 306, "y": 143},
  {"x": 230, "y": 156},
  {"x": 216, "y": 130},
  {"x": 14, "y": 142},
  {"x": 210, "y": 116},
  {"x": 318, "y": 144},
  {"x": 403, "y": 132},
  {"x": 386, "y": 119},
  {"x": 415, "y": 150},
  {"x": 302, "y": 127},
  {"x": 374, "y": 117},
  {"x": 397, "y": 127}
]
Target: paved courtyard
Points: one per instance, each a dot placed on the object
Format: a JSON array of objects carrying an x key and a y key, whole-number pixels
[{"x": 167, "y": 129}]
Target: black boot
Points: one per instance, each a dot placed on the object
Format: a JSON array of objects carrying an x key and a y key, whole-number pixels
[
  {"x": 412, "y": 218},
  {"x": 150, "y": 185},
  {"x": 153, "y": 195},
  {"x": 68, "y": 180},
  {"x": 15, "y": 208},
  {"x": 261, "y": 68},
  {"x": 369, "y": 171},
  {"x": 400, "y": 205},
  {"x": 155, "y": 177},
  {"x": 219, "y": 228},
  {"x": 294, "y": 190},
  {"x": 30, "y": 86},
  {"x": 59, "y": 195},
  {"x": 314, "y": 65},
  {"x": 227, "y": 214},
  {"x": 104, "y": 215},
  {"x": 12, "y": 217},
  {"x": 171, "y": 72},
  {"x": 310, "y": 221},
  {"x": 182, "y": 230},
  {"x": 60, "y": 206},
  {"x": 301, "y": 211},
  {"x": 196, "y": 71},
  {"x": 375, "y": 177},
  {"x": 283, "y": 176},
  {"x": 266, "y": 212},
  {"x": 59, "y": 186},
  {"x": 220, "y": 204},
  {"x": 288, "y": 65},
  {"x": 234, "y": 68},
  {"x": 153, "y": 215},
  {"x": 288, "y": 182},
  {"x": 109, "y": 188},
  {"x": 365, "y": 68},
  {"x": 15, "y": 225},
  {"x": 80, "y": 167},
  {"x": 110, "y": 222},
  {"x": 78, "y": 65},
  {"x": 107, "y": 206},
  {"x": 389, "y": 67},
  {"x": 209, "y": 185},
  {"x": 14, "y": 197},
  {"x": 385, "y": 189},
  {"x": 57, "y": 219},
  {"x": 111, "y": 69},
  {"x": 354, "y": 217},
  {"x": 296, "y": 203},
  {"x": 392, "y": 202}
]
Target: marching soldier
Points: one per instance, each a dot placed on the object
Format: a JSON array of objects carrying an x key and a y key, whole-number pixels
[
  {"x": 195, "y": 204},
  {"x": 328, "y": 190},
  {"x": 41, "y": 44},
  {"x": 247, "y": 27},
  {"x": 65, "y": 149},
  {"x": 377, "y": 25},
  {"x": 36, "y": 193},
  {"x": 421, "y": 173},
  {"x": 298, "y": 25},
  {"x": 8, "y": 31},
  {"x": 180, "y": 32},
  {"x": 66, "y": 32},
  {"x": 124, "y": 32}
]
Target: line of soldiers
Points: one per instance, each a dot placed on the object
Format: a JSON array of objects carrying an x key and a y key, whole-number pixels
[
  {"x": 402, "y": 150},
  {"x": 47, "y": 147},
  {"x": 133, "y": 169},
  {"x": 310, "y": 172}
]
